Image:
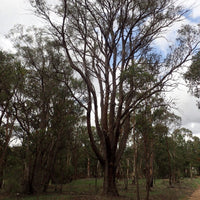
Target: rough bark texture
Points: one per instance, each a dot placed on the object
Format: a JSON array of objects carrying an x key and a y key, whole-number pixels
[{"x": 109, "y": 184}]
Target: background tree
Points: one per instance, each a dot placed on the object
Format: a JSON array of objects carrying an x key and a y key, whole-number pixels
[
  {"x": 45, "y": 110},
  {"x": 192, "y": 76},
  {"x": 181, "y": 160},
  {"x": 11, "y": 76},
  {"x": 104, "y": 41},
  {"x": 151, "y": 121}
]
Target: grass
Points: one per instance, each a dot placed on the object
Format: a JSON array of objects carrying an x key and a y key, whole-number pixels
[{"x": 84, "y": 189}]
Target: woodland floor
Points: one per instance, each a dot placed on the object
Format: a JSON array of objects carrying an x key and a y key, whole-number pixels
[
  {"x": 84, "y": 189},
  {"x": 195, "y": 195}
]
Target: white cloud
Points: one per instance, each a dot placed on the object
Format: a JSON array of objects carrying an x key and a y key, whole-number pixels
[
  {"x": 194, "y": 5},
  {"x": 5, "y": 44},
  {"x": 14, "y": 12},
  {"x": 194, "y": 127},
  {"x": 186, "y": 107}
]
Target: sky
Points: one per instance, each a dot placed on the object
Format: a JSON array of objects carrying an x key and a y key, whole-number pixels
[{"x": 14, "y": 12}]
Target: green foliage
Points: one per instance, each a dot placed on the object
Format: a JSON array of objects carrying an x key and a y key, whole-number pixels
[
  {"x": 138, "y": 74},
  {"x": 192, "y": 76},
  {"x": 14, "y": 171},
  {"x": 46, "y": 112}
]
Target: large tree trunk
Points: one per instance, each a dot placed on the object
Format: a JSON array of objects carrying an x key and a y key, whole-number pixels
[{"x": 109, "y": 186}]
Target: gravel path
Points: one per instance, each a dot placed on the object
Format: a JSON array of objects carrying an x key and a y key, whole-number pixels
[{"x": 195, "y": 195}]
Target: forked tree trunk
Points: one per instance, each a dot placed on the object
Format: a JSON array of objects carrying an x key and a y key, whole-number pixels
[{"x": 109, "y": 186}]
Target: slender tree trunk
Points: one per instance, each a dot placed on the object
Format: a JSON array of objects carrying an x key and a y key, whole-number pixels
[
  {"x": 147, "y": 177},
  {"x": 151, "y": 165},
  {"x": 96, "y": 177},
  {"x": 134, "y": 152},
  {"x": 28, "y": 168},
  {"x": 1, "y": 171},
  {"x": 51, "y": 157},
  {"x": 134, "y": 171},
  {"x": 191, "y": 171},
  {"x": 134, "y": 159},
  {"x": 169, "y": 162},
  {"x": 88, "y": 168},
  {"x": 26, "y": 178},
  {"x": 148, "y": 155},
  {"x": 126, "y": 175},
  {"x": 137, "y": 176},
  {"x": 1, "y": 177},
  {"x": 8, "y": 132}
]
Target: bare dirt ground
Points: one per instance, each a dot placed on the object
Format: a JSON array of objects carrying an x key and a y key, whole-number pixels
[{"x": 195, "y": 195}]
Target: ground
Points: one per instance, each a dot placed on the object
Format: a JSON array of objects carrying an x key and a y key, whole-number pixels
[
  {"x": 195, "y": 195},
  {"x": 89, "y": 189}
]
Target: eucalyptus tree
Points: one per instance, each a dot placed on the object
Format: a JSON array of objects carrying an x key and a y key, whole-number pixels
[
  {"x": 193, "y": 154},
  {"x": 182, "y": 160},
  {"x": 150, "y": 124},
  {"x": 11, "y": 75},
  {"x": 105, "y": 42},
  {"x": 165, "y": 120},
  {"x": 192, "y": 76},
  {"x": 44, "y": 110}
]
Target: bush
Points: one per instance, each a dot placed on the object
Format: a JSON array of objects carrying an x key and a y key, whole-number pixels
[{"x": 12, "y": 186}]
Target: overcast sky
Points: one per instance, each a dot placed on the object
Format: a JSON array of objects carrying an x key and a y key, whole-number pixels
[{"x": 14, "y": 12}]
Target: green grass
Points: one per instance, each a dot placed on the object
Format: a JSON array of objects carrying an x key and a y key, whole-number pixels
[
  {"x": 40, "y": 197},
  {"x": 84, "y": 189}
]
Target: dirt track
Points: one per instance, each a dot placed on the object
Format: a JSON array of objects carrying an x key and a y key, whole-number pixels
[{"x": 195, "y": 195}]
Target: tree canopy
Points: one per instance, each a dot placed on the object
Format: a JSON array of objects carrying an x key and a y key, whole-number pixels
[{"x": 192, "y": 76}]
